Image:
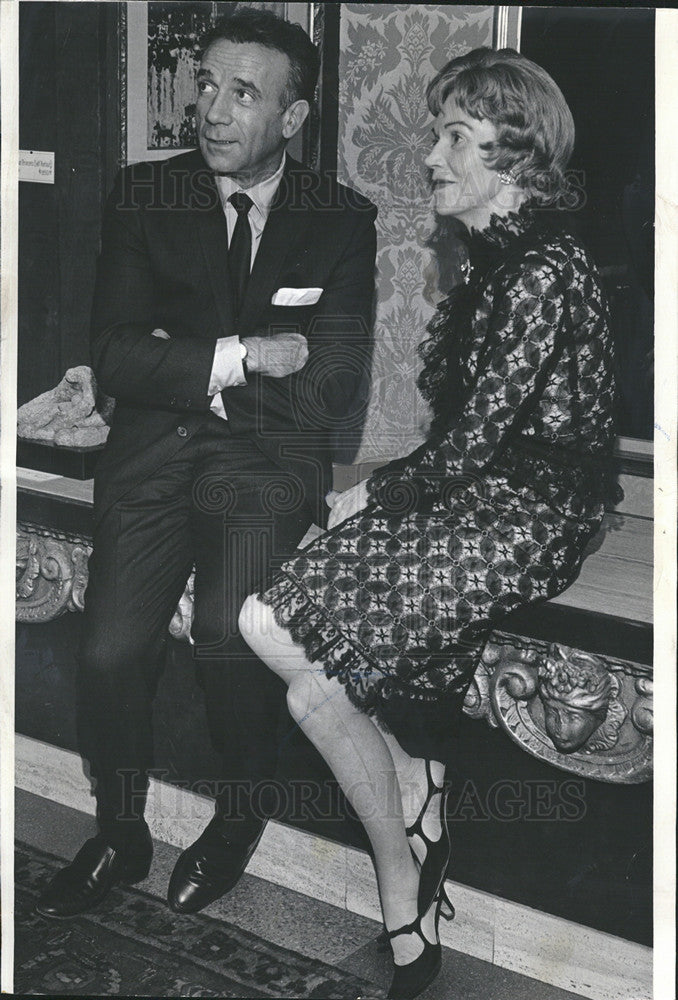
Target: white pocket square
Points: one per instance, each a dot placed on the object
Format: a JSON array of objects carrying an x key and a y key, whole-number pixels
[{"x": 296, "y": 296}]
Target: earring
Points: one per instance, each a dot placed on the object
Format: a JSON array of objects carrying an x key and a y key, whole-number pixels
[{"x": 506, "y": 176}]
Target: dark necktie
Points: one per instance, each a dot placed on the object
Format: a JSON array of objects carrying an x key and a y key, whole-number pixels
[{"x": 240, "y": 249}]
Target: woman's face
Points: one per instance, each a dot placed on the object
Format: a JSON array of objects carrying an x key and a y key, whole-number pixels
[{"x": 463, "y": 184}]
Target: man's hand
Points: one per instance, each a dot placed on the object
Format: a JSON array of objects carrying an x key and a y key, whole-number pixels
[
  {"x": 278, "y": 355},
  {"x": 347, "y": 503}
]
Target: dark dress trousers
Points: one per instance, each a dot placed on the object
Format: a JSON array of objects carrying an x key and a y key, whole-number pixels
[{"x": 177, "y": 486}]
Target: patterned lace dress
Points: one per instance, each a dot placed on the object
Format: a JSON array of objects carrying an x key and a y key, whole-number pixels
[{"x": 492, "y": 512}]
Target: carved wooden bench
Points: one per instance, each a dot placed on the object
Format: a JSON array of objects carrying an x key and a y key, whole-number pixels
[{"x": 570, "y": 681}]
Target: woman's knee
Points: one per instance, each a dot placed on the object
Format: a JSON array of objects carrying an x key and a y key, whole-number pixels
[
  {"x": 303, "y": 696},
  {"x": 254, "y": 621}
]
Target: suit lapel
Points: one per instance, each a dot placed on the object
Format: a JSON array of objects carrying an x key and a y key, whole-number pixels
[{"x": 284, "y": 227}]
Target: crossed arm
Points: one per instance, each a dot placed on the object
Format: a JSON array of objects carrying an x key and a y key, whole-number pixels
[
  {"x": 140, "y": 362},
  {"x": 138, "y": 359}
]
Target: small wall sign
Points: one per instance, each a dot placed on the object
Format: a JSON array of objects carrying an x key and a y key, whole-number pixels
[{"x": 36, "y": 166}]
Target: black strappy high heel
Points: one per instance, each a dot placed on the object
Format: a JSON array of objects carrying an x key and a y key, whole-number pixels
[
  {"x": 447, "y": 912},
  {"x": 437, "y": 857},
  {"x": 435, "y": 861},
  {"x": 412, "y": 979}
]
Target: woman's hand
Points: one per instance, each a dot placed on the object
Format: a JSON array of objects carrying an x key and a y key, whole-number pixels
[{"x": 347, "y": 503}]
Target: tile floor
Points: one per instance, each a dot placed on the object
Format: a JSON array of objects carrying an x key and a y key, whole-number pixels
[{"x": 288, "y": 918}]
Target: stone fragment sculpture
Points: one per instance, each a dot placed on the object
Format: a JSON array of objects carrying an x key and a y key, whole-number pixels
[{"x": 70, "y": 415}]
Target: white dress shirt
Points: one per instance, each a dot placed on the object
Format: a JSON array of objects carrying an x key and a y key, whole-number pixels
[{"x": 227, "y": 367}]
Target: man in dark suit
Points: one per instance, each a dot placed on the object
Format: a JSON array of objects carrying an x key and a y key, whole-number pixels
[{"x": 231, "y": 324}]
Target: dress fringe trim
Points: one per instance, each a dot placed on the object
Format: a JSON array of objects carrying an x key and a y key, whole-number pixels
[{"x": 366, "y": 686}]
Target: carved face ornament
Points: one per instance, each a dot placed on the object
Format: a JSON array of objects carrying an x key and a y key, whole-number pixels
[
  {"x": 568, "y": 727},
  {"x": 575, "y": 690}
]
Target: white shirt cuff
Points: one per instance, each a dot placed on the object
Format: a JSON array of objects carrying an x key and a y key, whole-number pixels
[{"x": 227, "y": 369}]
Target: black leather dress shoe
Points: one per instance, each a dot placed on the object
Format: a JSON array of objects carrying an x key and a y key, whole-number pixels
[
  {"x": 210, "y": 867},
  {"x": 96, "y": 868}
]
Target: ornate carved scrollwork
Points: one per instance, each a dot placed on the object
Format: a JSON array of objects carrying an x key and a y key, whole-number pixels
[
  {"x": 580, "y": 712},
  {"x": 51, "y": 573}
]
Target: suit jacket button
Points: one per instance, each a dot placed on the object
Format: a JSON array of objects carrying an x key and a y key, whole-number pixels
[
  {"x": 187, "y": 402},
  {"x": 173, "y": 400},
  {"x": 182, "y": 432}
]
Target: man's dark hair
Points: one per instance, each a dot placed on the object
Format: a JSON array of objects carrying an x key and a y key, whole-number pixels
[{"x": 265, "y": 28}]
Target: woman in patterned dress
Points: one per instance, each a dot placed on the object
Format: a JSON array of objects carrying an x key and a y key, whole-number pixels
[{"x": 378, "y": 625}]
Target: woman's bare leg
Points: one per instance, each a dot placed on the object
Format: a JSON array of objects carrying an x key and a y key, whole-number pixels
[
  {"x": 359, "y": 758},
  {"x": 411, "y": 772}
]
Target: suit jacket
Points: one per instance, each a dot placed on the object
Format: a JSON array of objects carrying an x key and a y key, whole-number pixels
[{"x": 164, "y": 263}]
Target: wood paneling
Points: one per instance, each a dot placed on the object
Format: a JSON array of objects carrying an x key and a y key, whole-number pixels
[{"x": 64, "y": 96}]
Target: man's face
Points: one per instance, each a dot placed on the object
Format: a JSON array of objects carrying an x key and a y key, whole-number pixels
[{"x": 242, "y": 123}]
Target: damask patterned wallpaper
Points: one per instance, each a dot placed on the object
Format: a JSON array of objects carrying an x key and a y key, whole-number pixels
[{"x": 388, "y": 53}]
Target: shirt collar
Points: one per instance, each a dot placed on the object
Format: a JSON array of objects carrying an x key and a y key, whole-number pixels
[{"x": 262, "y": 194}]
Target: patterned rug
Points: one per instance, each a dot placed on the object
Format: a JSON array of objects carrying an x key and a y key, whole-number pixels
[{"x": 134, "y": 946}]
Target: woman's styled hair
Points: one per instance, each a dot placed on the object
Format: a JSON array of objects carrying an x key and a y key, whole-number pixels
[
  {"x": 535, "y": 130},
  {"x": 262, "y": 27}
]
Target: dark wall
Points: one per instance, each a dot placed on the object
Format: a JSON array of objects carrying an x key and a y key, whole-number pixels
[
  {"x": 603, "y": 60},
  {"x": 68, "y": 83}
]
